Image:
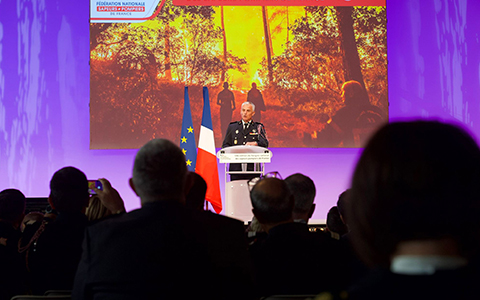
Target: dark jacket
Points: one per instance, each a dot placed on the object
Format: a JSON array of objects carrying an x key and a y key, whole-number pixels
[{"x": 150, "y": 252}]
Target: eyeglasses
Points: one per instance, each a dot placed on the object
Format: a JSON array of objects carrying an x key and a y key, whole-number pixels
[{"x": 252, "y": 182}]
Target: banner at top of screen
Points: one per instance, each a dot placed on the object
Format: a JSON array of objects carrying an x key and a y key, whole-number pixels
[
  {"x": 117, "y": 11},
  {"x": 280, "y": 2},
  {"x": 136, "y": 11}
]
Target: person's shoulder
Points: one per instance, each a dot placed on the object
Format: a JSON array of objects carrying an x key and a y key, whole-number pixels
[
  {"x": 104, "y": 219},
  {"x": 373, "y": 109},
  {"x": 227, "y": 221},
  {"x": 113, "y": 221},
  {"x": 210, "y": 218},
  {"x": 105, "y": 223},
  {"x": 235, "y": 123},
  {"x": 259, "y": 126}
]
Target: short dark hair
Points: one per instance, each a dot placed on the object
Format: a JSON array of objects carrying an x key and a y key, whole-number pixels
[
  {"x": 12, "y": 205},
  {"x": 272, "y": 201},
  {"x": 69, "y": 190},
  {"x": 334, "y": 222},
  {"x": 415, "y": 180},
  {"x": 159, "y": 170},
  {"x": 342, "y": 204},
  {"x": 303, "y": 190}
]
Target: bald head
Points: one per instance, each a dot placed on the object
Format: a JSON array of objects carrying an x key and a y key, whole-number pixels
[
  {"x": 272, "y": 201},
  {"x": 159, "y": 171}
]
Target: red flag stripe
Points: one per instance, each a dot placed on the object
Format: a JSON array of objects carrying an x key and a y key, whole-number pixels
[{"x": 207, "y": 168}]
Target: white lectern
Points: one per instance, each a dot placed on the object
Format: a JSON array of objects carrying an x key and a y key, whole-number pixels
[{"x": 237, "y": 193}]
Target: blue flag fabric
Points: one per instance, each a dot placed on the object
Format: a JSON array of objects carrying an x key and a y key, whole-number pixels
[
  {"x": 187, "y": 137},
  {"x": 207, "y": 116}
]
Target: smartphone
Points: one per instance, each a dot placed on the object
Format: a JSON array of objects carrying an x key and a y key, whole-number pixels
[{"x": 94, "y": 183}]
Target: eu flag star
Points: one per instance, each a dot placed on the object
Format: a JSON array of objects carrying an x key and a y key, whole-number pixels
[
  {"x": 189, "y": 162},
  {"x": 190, "y": 129},
  {"x": 184, "y": 151},
  {"x": 184, "y": 139}
]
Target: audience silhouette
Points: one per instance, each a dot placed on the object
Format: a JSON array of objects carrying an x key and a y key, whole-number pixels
[
  {"x": 13, "y": 271},
  {"x": 289, "y": 259},
  {"x": 53, "y": 258},
  {"x": 411, "y": 215},
  {"x": 153, "y": 251},
  {"x": 413, "y": 212}
]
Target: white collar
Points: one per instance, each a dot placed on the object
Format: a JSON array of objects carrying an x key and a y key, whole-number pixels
[
  {"x": 246, "y": 124},
  {"x": 425, "y": 264}
]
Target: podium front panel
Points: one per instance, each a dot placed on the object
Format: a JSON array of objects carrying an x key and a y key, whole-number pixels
[{"x": 237, "y": 200}]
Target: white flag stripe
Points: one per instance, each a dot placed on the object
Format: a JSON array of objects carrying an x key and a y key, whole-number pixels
[{"x": 206, "y": 140}]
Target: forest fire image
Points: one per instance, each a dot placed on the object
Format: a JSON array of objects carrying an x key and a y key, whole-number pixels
[{"x": 317, "y": 74}]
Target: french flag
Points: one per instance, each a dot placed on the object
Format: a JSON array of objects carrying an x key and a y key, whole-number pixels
[{"x": 206, "y": 158}]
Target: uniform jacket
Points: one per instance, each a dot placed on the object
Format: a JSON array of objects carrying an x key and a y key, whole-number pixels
[{"x": 237, "y": 136}]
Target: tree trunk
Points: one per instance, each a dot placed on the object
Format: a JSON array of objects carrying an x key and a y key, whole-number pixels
[
  {"x": 268, "y": 44},
  {"x": 168, "y": 67},
  {"x": 288, "y": 28},
  {"x": 222, "y": 79},
  {"x": 351, "y": 60}
]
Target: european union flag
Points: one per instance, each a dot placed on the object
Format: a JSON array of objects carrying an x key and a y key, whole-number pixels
[{"x": 187, "y": 137}]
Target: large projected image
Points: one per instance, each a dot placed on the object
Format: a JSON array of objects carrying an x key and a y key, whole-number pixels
[{"x": 316, "y": 74}]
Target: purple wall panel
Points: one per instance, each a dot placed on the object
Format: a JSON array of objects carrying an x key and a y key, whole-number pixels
[
  {"x": 434, "y": 60},
  {"x": 44, "y": 92}
]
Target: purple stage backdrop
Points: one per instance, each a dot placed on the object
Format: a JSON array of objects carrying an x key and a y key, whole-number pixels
[{"x": 434, "y": 72}]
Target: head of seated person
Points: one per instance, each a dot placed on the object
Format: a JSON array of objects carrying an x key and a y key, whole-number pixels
[
  {"x": 415, "y": 191},
  {"x": 12, "y": 207},
  {"x": 303, "y": 190},
  {"x": 69, "y": 191},
  {"x": 342, "y": 205},
  {"x": 334, "y": 223},
  {"x": 195, "y": 197},
  {"x": 159, "y": 172},
  {"x": 272, "y": 203}
]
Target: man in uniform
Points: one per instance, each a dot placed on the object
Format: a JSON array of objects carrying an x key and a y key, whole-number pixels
[{"x": 245, "y": 132}]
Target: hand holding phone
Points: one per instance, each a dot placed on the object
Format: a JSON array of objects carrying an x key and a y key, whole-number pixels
[
  {"x": 94, "y": 184},
  {"x": 110, "y": 197}
]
